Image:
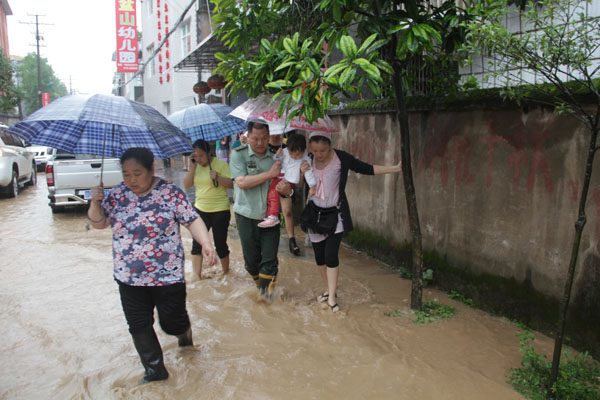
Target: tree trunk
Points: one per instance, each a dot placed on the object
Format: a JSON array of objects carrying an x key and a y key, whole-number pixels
[
  {"x": 564, "y": 306},
  {"x": 416, "y": 296}
]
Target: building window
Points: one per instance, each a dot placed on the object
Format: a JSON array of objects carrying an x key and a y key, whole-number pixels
[
  {"x": 186, "y": 38},
  {"x": 151, "y": 66}
]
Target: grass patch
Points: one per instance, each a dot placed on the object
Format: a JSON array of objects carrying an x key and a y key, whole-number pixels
[
  {"x": 433, "y": 311},
  {"x": 454, "y": 295},
  {"x": 578, "y": 378}
]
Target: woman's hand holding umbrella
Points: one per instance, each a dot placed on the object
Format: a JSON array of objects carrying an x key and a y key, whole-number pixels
[{"x": 95, "y": 212}]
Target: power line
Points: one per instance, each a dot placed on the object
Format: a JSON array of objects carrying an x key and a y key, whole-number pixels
[{"x": 37, "y": 45}]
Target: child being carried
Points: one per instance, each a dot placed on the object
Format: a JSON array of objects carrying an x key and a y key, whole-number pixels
[{"x": 291, "y": 158}]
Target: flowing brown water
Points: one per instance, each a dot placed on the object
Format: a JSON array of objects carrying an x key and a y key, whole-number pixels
[{"x": 64, "y": 336}]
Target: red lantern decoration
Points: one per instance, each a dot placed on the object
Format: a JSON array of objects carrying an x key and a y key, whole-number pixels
[
  {"x": 216, "y": 82},
  {"x": 167, "y": 43},
  {"x": 158, "y": 13},
  {"x": 159, "y": 37},
  {"x": 168, "y": 77},
  {"x": 157, "y": 3},
  {"x": 160, "y": 68},
  {"x": 167, "y": 54},
  {"x": 201, "y": 88},
  {"x": 168, "y": 65},
  {"x": 160, "y": 80},
  {"x": 166, "y": 30},
  {"x": 159, "y": 57},
  {"x": 166, "y": 19},
  {"x": 159, "y": 24},
  {"x": 166, "y": 7}
]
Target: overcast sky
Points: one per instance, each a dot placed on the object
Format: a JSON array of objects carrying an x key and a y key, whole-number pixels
[{"x": 79, "y": 39}]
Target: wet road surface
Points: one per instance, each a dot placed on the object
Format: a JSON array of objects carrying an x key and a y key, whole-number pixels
[{"x": 64, "y": 336}]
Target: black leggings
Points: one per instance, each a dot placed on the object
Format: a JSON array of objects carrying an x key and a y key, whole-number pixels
[
  {"x": 326, "y": 251},
  {"x": 219, "y": 222},
  {"x": 139, "y": 301}
]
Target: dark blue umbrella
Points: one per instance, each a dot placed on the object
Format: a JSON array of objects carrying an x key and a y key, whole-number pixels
[
  {"x": 102, "y": 125},
  {"x": 207, "y": 121}
]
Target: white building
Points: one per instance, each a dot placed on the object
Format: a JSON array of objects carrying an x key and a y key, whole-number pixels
[
  {"x": 482, "y": 65},
  {"x": 170, "y": 32}
]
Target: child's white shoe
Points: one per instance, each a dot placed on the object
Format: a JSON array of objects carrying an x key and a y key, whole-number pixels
[{"x": 269, "y": 222}]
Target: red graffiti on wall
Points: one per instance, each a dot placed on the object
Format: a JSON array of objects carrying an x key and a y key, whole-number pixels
[
  {"x": 539, "y": 161},
  {"x": 362, "y": 146},
  {"x": 491, "y": 140},
  {"x": 515, "y": 159},
  {"x": 461, "y": 155},
  {"x": 574, "y": 186}
]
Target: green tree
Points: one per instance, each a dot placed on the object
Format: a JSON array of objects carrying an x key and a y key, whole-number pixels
[
  {"x": 310, "y": 52},
  {"x": 8, "y": 98},
  {"x": 29, "y": 87},
  {"x": 559, "y": 48}
]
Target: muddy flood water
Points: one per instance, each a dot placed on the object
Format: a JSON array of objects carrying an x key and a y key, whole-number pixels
[{"x": 63, "y": 334}]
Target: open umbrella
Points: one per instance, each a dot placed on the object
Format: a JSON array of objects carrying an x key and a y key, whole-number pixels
[
  {"x": 265, "y": 108},
  {"x": 207, "y": 122},
  {"x": 102, "y": 125}
]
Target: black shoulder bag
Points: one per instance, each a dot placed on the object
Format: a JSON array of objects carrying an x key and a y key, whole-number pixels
[{"x": 319, "y": 219}]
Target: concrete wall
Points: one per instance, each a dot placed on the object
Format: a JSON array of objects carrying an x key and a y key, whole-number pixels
[{"x": 497, "y": 190}]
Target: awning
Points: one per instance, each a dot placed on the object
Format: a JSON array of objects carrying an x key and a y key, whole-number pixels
[{"x": 203, "y": 56}]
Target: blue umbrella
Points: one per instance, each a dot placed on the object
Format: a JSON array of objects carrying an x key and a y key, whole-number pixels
[
  {"x": 207, "y": 121},
  {"x": 102, "y": 125}
]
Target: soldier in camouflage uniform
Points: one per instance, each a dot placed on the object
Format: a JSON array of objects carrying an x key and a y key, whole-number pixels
[{"x": 252, "y": 167}]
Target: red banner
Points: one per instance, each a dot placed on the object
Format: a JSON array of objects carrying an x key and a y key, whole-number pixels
[
  {"x": 127, "y": 45},
  {"x": 45, "y": 99}
]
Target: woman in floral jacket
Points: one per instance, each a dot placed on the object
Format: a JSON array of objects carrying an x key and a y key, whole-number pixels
[{"x": 145, "y": 213}]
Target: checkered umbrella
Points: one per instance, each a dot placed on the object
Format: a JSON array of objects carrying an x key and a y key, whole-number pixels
[
  {"x": 102, "y": 125},
  {"x": 207, "y": 122}
]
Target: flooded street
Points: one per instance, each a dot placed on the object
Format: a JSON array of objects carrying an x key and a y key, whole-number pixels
[{"x": 64, "y": 335}]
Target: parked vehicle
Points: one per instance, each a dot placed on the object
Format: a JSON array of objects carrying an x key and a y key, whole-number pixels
[
  {"x": 42, "y": 155},
  {"x": 70, "y": 178},
  {"x": 17, "y": 163}
]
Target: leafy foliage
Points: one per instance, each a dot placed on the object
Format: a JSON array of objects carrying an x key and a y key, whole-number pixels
[
  {"x": 329, "y": 48},
  {"x": 579, "y": 377},
  {"x": 9, "y": 98},
  {"x": 433, "y": 311},
  {"x": 29, "y": 88},
  {"x": 459, "y": 297},
  {"x": 558, "y": 46}
]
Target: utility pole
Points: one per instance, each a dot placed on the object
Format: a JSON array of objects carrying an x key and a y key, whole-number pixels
[
  {"x": 37, "y": 45},
  {"x": 39, "y": 68}
]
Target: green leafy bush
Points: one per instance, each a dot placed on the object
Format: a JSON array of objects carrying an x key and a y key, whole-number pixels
[
  {"x": 578, "y": 378},
  {"x": 434, "y": 311},
  {"x": 454, "y": 295}
]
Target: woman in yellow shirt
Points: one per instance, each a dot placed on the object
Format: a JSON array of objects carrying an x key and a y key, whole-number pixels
[{"x": 212, "y": 179}]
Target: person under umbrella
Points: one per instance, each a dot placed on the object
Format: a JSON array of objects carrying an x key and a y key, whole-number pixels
[
  {"x": 212, "y": 202},
  {"x": 145, "y": 213}
]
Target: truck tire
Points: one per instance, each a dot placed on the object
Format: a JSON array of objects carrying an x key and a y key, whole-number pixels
[
  {"x": 55, "y": 209},
  {"x": 13, "y": 187},
  {"x": 33, "y": 178}
]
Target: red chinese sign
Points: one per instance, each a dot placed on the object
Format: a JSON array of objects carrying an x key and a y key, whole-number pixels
[
  {"x": 127, "y": 45},
  {"x": 45, "y": 99}
]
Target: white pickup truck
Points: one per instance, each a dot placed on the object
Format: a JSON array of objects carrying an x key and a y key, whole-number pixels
[{"x": 70, "y": 178}]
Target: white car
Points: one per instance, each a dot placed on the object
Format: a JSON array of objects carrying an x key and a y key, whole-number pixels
[
  {"x": 17, "y": 163},
  {"x": 42, "y": 155}
]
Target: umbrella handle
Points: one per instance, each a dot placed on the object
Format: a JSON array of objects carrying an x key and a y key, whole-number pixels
[{"x": 215, "y": 182}]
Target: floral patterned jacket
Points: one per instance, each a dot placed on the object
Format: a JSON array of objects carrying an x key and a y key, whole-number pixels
[{"x": 147, "y": 246}]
